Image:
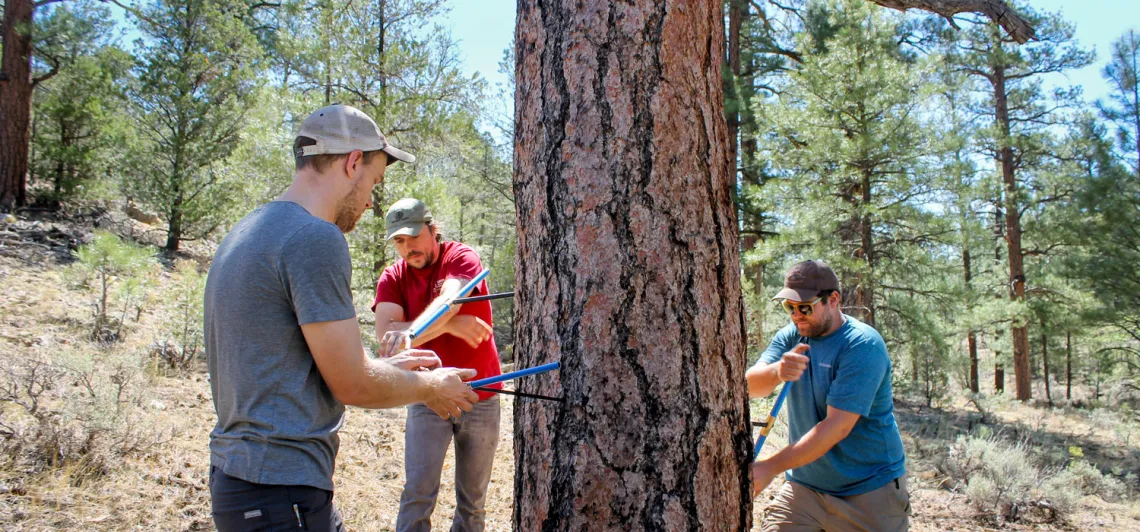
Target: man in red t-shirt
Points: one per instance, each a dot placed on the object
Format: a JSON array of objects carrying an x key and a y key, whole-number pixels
[{"x": 429, "y": 272}]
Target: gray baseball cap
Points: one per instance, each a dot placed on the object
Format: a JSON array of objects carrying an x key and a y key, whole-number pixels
[
  {"x": 806, "y": 280},
  {"x": 341, "y": 129},
  {"x": 406, "y": 217}
]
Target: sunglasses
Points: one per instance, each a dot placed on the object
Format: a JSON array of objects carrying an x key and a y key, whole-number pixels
[{"x": 805, "y": 307}]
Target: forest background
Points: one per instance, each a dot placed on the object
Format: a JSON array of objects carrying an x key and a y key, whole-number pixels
[{"x": 979, "y": 199}]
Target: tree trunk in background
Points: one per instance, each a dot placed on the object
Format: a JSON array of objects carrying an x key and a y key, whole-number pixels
[
  {"x": 15, "y": 102},
  {"x": 971, "y": 336},
  {"x": 174, "y": 210},
  {"x": 1045, "y": 360},
  {"x": 999, "y": 375},
  {"x": 972, "y": 345},
  {"x": 379, "y": 249},
  {"x": 999, "y": 236},
  {"x": 174, "y": 226},
  {"x": 743, "y": 162},
  {"x": 733, "y": 100},
  {"x": 1068, "y": 366},
  {"x": 628, "y": 272},
  {"x": 1019, "y": 333},
  {"x": 866, "y": 252}
]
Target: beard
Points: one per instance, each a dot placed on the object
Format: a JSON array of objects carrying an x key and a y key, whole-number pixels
[
  {"x": 346, "y": 214},
  {"x": 815, "y": 330},
  {"x": 428, "y": 258}
]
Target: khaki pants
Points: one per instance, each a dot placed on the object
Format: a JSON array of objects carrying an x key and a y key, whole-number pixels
[{"x": 799, "y": 509}]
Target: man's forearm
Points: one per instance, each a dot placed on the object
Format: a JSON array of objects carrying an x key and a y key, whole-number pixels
[
  {"x": 810, "y": 448},
  {"x": 436, "y": 329},
  {"x": 386, "y": 386},
  {"x": 762, "y": 380},
  {"x": 449, "y": 289}
]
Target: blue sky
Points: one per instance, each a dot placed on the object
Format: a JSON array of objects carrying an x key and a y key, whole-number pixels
[
  {"x": 484, "y": 28},
  {"x": 1099, "y": 23}
]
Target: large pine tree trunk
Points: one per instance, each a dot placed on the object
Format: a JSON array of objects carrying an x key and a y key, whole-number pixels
[
  {"x": 628, "y": 272},
  {"x": 15, "y": 102},
  {"x": 1019, "y": 332}
]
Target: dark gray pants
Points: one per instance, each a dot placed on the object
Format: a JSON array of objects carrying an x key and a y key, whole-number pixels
[{"x": 244, "y": 506}]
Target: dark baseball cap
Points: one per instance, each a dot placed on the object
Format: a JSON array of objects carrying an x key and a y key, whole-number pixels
[
  {"x": 406, "y": 217},
  {"x": 806, "y": 280}
]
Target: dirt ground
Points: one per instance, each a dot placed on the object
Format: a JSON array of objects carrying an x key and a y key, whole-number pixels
[
  {"x": 167, "y": 489},
  {"x": 164, "y": 487}
]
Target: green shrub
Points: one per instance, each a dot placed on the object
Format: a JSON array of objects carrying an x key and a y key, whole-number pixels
[
  {"x": 1005, "y": 481},
  {"x": 75, "y": 412},
  {"x": 118, "y": 272},
  {"x": 182, "y": 332},
  {"x": 1091, "y": 481}
]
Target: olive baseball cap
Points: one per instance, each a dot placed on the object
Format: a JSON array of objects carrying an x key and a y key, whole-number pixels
[
  {"x": 341, "y": 129},
  {"x": 806, "y": 280},
  {"x": 406, "y": 217}
]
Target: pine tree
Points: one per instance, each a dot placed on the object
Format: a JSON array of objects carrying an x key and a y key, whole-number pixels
[
  {"x": 80, "y": 128},
  {"x": 847, "y": 142},
  {"x": 1020, "y": 114},
  {"x": 197, "y": 80},
  {"x": 1123, "y": 105}
]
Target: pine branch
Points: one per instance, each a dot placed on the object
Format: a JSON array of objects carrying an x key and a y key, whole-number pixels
[{"x": 995, "y": 10}]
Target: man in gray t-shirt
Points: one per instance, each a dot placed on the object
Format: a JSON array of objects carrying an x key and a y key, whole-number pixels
[{"x": 282, "y": 340}]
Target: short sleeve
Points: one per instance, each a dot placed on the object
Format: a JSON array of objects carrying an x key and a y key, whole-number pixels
[
  {"x": 784, "y": 340},
  {"x": 858, "y": 376},
  {"x": 388, "y": 289},
  {"x": 463, "y": 264},
  {"x": 316, "y": 270}
]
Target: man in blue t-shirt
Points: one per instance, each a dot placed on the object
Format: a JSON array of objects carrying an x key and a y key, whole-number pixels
[{"x": 844, "y": 465}]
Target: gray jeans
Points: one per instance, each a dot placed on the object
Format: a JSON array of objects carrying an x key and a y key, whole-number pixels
[{"x": 426, "y": 438}]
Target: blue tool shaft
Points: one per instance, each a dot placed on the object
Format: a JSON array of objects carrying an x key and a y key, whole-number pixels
[
  {"x": 775, "y": 412},
  {"x": 421, "y": 326},
  {"x": 515, "y": 374},
  {"x": 771, "y": 419}
]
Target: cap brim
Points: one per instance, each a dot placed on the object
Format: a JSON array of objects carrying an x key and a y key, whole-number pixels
[
  {"x": 409, "y": 230},
  {"x": 796, "y": 294},
  {"x": 399, "y": 154}
]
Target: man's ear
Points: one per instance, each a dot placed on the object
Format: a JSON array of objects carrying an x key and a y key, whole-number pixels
[{"x": 353, "y": 163}]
